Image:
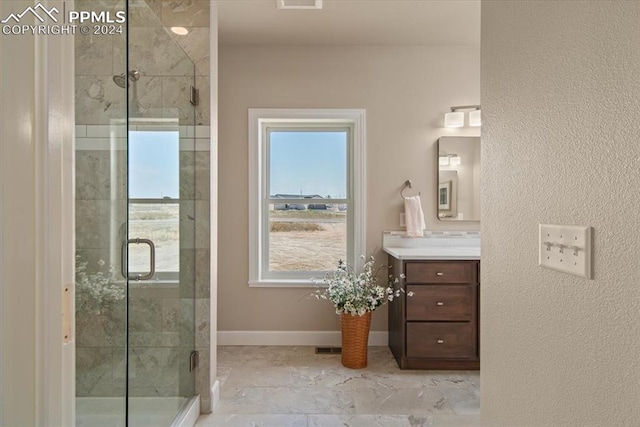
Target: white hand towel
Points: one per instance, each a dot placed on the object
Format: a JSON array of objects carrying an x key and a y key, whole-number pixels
[{"x": 413, "y": 216}]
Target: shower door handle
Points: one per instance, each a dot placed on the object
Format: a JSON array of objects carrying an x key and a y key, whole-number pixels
[{"x": 152, "y": 259}]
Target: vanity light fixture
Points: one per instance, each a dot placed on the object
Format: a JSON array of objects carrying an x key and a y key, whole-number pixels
[
  {"x": 475, "y": 118},
  {"x": 455, "y": 119},
  {"x": 445, "y": 159},
  {"x": 455, "y": 160}
]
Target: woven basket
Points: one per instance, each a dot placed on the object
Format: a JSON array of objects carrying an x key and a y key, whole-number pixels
[{"x": 355, "y": 339}]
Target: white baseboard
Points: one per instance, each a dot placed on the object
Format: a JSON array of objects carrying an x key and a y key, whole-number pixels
[
  {"x": 294, "y": 338},
  {"x": 215, "y": 395}
]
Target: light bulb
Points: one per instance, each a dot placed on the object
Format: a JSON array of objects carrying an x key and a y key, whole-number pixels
[
  {"x": 454, "y": 119},
  {"x": 181, "y": 31},
  {"x": 475, "y": 118}
]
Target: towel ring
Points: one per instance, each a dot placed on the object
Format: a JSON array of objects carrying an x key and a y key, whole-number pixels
[{"x": 407, "y": 183}]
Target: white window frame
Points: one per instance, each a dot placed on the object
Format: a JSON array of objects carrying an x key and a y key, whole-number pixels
[{"x": 259, "y": 119}]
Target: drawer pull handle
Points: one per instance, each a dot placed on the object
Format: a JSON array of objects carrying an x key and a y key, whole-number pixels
[
  {"x": 440, "y": 341},
  {"x": 439, "y": 303},
  {"x": 439, "y": 273}
]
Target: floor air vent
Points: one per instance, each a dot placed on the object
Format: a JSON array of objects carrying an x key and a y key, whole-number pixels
[
  {"x": 328, "y": 350},
  {"x": 299, "y": 4}
]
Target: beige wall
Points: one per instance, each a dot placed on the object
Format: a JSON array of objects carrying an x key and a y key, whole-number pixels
[
  {"x": 561, "y": 106},
  {"x": 405, "y": 92}
]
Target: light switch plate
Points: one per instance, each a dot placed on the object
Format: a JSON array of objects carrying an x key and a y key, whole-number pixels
[{"x": 566, "y": 248}]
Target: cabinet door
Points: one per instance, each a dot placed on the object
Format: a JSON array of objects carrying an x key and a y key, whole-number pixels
[
  {"x": 440, "y": 303},
  {"x": 441, "y": 340},
  {"x": 440, "y": 272}
]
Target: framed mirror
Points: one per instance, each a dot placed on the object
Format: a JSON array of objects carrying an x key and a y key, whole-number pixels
[{"x": 458, "y": 189}]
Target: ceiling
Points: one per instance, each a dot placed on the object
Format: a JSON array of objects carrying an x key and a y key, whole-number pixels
[{"x": 351, "y": 22}]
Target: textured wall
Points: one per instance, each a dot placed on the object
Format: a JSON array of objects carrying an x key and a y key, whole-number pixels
[
  {"x": 405, "y": 92},
  {"x": 561, "y": 107}
]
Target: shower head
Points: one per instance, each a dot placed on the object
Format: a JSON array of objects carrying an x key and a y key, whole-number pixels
[{"x": 121, "y": 80}]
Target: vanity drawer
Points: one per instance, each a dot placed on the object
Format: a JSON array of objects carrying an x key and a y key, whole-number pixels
[
  {"x": 440, "y": 272},
  {"x": 440, "y": 340},
  {"x": 440, "y": 302}
]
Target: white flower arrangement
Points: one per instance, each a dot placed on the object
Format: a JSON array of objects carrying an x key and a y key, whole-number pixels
[
  {"x": 358, "y": 293},
  {"x": 96, "y": 291}
]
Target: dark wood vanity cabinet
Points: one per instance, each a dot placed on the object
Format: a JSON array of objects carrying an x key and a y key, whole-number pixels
[{"x": 437, "y": 327}]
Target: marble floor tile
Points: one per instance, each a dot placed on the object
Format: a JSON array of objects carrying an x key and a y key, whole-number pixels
[
  {"x": 463, "y": 395},
  {"x": 293, "y": 386},
  {"x": 284, "y": 400},
  {"x": 223, "y": 374},
  {"x": 393, "y": 421},
  {"x": 368, "y": 421},
  {"x": 335, "y": 420},
  {"x": 264, "y": 356},
  {"x": 406, "y": 401},
  {"x": 457, "y": 421},
  {"x": 262, "y": 420}
]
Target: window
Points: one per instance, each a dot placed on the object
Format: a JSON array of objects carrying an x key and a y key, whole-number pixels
[
  {"x": 154, "y": 208},
  {"x": 306, "y": 193}
]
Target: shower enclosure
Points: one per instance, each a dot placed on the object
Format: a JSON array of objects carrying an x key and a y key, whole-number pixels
[{"x": 135, "y": 222}]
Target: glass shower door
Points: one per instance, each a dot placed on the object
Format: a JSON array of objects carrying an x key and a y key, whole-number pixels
[
  {"x": 161, "y": 221},
  {"x": 101, "y": 216}
]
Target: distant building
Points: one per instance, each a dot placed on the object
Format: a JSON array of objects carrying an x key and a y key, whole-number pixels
[{"x": 299, "y": 206}]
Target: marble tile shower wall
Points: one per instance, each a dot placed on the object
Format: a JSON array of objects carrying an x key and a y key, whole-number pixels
[
  {"x": 194, "y": 16},
  {"x": 161, "y": 320},
  {"x": 161, "y": 91},
  {"x": 167, "y": 63}
]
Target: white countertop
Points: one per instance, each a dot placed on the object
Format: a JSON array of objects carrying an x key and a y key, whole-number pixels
[
  {"x": 433, "y": 246},
  {"x": 434, "y": 253}
]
